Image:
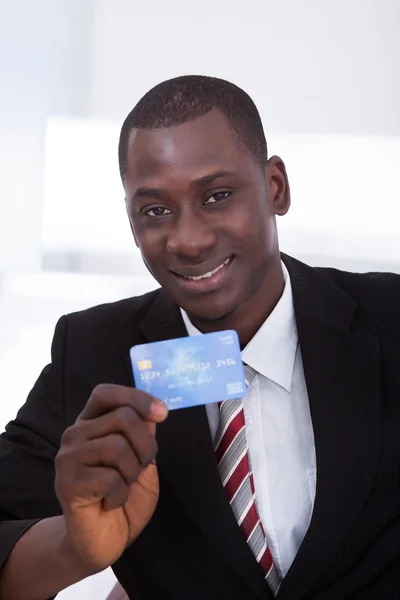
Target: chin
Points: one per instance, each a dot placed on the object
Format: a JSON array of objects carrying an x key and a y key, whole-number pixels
[{"x": 217, "y": 315}]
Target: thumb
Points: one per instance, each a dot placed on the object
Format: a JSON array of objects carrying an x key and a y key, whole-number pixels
[{"x": 158, "y": 414}]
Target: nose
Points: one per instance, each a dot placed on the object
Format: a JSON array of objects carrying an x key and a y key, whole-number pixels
[{"x": 190, "y": 236}]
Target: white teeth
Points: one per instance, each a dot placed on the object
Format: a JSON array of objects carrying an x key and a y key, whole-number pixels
[{"x": 210, "y": 273}]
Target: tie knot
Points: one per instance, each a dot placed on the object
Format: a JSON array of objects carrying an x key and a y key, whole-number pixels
[{"x": 249, "y": 374}]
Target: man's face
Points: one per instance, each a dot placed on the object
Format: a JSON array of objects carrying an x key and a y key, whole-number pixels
[{"x": 202, "y": 211}]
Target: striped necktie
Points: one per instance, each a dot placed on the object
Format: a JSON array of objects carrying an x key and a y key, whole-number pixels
[{"x": 237, "y": 479}]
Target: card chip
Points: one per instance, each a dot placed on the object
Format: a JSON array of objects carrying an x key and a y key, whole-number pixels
[{"x": 145, "y": 364}]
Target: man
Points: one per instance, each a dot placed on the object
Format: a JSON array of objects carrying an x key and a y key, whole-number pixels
[{"x": 302, "y": 499}]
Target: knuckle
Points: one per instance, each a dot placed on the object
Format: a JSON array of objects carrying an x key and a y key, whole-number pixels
[
  {"x": 59, "y": 459},
  {"x": 72, "y": 438},
  {"x": 68, "y": 436},
  {"x": 149, "y": 453},
  {"x": 64, "y": 461},
  {"x": 120, "y": 445},
  {"x": 146, "y": 402},
  {"x": 78, "y": 431},
  {"x": 124, "y": 416},
  {"x": 100, "y": 391},
  {"x": 116, "y": 446},
  {"x": 142, "y": 400},
  {"x": 112, "y": 481}
]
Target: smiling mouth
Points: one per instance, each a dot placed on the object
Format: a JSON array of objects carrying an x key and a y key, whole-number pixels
[{"x": 206, "y": 275}]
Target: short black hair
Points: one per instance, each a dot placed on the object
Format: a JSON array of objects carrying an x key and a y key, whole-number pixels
[{"x": 189, "y": 97}]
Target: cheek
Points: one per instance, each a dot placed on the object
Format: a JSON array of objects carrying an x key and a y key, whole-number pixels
[
  {"x": 256, "y": 230},
  {"x": 149, "y": 241},
  {"x": 151, "y": 249}
]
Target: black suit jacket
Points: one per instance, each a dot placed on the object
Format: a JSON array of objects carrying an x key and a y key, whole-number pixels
[{"x": 349, "y": 333}]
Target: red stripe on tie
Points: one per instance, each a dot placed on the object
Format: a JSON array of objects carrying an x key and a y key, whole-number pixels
[
  {"x": 236, "y": 479},
  {"x": 266, "y": 561},
  {"x": 248, "y": 525},
  {"x": 233, "y": 429},
  {"x": 250, "y": 521}
]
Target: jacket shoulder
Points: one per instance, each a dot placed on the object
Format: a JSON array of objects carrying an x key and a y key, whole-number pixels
[
  {"x": 364, "y": 284},
  {"x": 376, "y": 294},
  {"x": 114, "y": 313},
  {"x": 115, "y": 324}
]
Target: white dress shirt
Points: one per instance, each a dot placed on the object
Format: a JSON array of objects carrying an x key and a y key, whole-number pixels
[{"x": 279, "y": 431}]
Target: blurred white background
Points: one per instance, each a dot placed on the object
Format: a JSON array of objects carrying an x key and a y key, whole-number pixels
[{"x": 324, "y": 74}]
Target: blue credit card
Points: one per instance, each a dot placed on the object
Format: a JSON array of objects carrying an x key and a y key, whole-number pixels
[{"x": 192, "y": 370}]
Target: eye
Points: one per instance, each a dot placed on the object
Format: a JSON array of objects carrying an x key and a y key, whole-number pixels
[
  {"x": 218, "y": 197},
  {"x": 157, "y": 211}
]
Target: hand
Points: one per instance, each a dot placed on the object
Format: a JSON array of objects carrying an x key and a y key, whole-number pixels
[{"x": 106, "y": 474}]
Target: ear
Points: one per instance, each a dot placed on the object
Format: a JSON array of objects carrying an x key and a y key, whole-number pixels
[
  {"x": 130, "y": 223},
  {"x": 278, "y": 184}
]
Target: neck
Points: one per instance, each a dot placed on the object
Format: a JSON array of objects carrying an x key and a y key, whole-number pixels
[{"x": 248, "y": 318}]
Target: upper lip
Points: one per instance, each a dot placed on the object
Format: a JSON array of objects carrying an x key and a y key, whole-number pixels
[{"x": 199, "y": 270}]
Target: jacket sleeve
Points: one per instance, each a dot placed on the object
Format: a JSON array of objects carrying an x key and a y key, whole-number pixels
[{"x": 27, "y": 451}]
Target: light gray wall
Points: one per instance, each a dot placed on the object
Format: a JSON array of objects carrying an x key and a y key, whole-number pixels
[
  {"x": 44, "y": 50},
  {"x": 316, "y": 66}
]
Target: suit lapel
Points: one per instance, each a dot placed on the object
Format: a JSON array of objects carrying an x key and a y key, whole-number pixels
[
  {"x": 342, "y": 377},
  {"x": 186, "y": 458}
]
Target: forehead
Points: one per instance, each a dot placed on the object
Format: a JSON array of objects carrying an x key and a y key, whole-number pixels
[{"x": 206, "y": 142}]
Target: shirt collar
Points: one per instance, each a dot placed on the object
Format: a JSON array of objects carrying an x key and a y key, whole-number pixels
[{"x": 272, "y": 350}]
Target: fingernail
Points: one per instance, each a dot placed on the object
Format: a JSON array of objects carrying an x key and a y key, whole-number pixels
[{"x": 158, "y": 408}]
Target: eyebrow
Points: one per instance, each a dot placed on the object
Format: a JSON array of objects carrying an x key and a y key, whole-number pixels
[
  {"x": 209, "y": 178},
  {"x": 148, "y": 192},
  {"x": 145, "y": 192}
]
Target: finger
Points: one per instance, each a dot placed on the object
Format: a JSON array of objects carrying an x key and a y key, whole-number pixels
[
  {"x": 90, "y": 485},
  {"x": 112, "y": 451},
  {"x": 126, "y": 422},
  {"x": 107, "y": 397}
]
